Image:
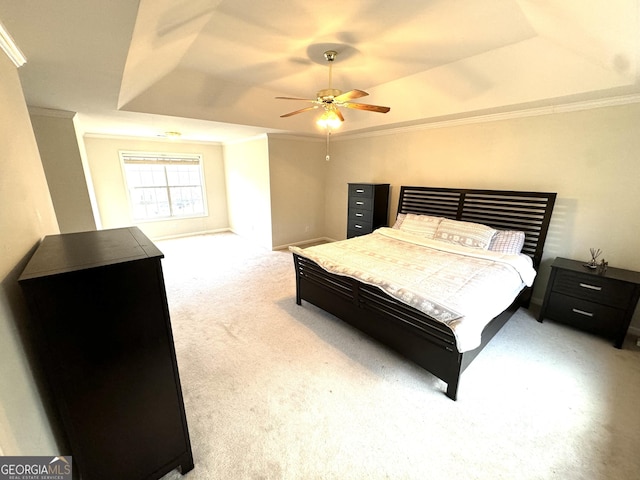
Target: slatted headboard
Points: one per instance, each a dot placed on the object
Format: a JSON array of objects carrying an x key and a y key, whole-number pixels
[{"x": 529, "y": 212}]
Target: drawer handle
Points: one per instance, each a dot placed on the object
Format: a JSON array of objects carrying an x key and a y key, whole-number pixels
[
  {"x": 590, "y": 287},
  {"x": 358, "y": 226},
  {"x": 360, "y": 190},
  {"x": 582, "y": 312},
  {"x": 359, "y": 214},
  {"x": 359, "y": 203}
]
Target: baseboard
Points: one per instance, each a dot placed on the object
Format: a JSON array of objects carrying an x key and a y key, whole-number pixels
[
  {"x": 634, "y": 331},
  {"x": 191, "y": 234},
  {"x": 303, "y": 243}
]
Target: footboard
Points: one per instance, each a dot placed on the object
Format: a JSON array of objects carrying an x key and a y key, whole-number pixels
[{"x": 427, "y": 342}]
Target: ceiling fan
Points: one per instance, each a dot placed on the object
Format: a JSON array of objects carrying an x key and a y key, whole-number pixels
[{"x": 330, "y": 99}]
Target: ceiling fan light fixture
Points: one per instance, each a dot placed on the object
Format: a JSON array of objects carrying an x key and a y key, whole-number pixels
[{"x": 329, "y": 119}]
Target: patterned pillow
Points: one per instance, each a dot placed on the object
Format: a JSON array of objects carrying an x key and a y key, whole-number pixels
[
  {"x": 399, "y": 220},
  {"x": 421, "y": 225},
  {"x": 507, "y": 241},
  {"x": 468, "y": 234}
]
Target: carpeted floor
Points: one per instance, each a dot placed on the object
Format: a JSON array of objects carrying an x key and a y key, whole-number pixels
[{"x": 278, "y": 391}]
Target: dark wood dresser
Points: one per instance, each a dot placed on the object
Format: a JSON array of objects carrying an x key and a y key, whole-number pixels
[
  {"x": 600, "y": 304},
  {"x": 368, "y": 208},
  {"x": 101, "y": 321}
]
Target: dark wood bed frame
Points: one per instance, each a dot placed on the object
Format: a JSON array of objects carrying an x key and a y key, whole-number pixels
[{"x": 428, "y": 342}]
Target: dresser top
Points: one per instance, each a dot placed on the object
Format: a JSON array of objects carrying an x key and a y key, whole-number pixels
[
  {"x": 612, "y": 272},
  {"x": 78, "y": 251},
  {"x": 369, "y": 183}
]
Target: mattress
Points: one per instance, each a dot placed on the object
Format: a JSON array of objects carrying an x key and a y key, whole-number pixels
[{"x": 462, "y": 287}]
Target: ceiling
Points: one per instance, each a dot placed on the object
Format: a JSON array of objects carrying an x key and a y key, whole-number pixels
[{"x": 211, "y": 69}]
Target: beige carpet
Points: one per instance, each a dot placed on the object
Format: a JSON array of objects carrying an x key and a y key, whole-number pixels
[{"x": 279, "y": 391}]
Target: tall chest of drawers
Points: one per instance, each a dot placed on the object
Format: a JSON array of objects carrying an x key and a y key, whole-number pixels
[
  {"x": 103, "y": 333},
  {"x": 368, "y": 208},
  {"x": 600, "y": 304}
]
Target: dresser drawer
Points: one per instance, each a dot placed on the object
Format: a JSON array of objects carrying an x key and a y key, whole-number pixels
[
  {"x": 593, "y": 288},
  {"x": 359, "y": 226},
  {"x": 361, "y": 190},
  {"x": 355, "y": 233},
  {"x": 585, "y": 315},
  {"x": 368, "y": 207},
  {"x": 359, "y": 215},
  {"x": 360, "y": 203}
]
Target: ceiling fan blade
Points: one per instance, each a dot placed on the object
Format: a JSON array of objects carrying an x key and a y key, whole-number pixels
[
  {"x": 339, "y": 114},
  {"x": 351, "y": 94},
  {"x": 364, "y": 106},
  {"x": 299, "y": 111},
  {"x": 294, "y": 98}
]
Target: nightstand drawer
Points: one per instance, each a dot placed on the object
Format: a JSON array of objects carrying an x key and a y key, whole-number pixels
[
  {"x": 588, "y": 316},
  {"x": 361, "y": 190},
  {"x": 593, "y": 288},
  {"x": 602, "y": 304},
  {"x": 360, "y": 203}
]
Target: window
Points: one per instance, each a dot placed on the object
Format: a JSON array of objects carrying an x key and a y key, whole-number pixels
[{"x": 163, "y": 186}]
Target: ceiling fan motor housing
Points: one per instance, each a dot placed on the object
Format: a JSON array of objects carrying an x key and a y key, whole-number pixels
[{"x": 328, "y": 94}]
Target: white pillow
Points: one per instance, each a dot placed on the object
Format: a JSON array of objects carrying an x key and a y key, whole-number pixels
[
  {"x": 420, "y": 225},
  {"x": 399, "y": 220},
  {"x": 469, "y": 234},
  {"x": 507, "y": 241}
]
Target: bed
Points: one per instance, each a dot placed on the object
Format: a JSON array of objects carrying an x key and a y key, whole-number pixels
[{"x": 416, "y": 335}]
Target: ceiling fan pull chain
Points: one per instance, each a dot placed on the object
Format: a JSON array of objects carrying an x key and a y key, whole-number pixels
[{"x": 328, "y": 157}]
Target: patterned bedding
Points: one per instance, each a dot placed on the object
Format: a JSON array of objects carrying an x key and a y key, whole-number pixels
[{"x": 460, "y": 286}]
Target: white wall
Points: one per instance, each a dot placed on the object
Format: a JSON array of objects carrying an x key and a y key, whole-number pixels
[
  {"x": 248, "y": 189},
  {"x": 26, "y": 216},
  {"x": 111, "y": 191},
  {"x": 297, "y": 171},
  {"x": 58, "y": 146},
  {"x": 589, "y": 157}
]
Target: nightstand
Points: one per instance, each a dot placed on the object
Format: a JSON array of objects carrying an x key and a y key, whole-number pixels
[
  {"x": 600, "y": 304},
  {"x": 368, "y": 208}
]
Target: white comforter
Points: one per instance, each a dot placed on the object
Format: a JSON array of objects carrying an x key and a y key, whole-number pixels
[{"x": 460, "y": 286}]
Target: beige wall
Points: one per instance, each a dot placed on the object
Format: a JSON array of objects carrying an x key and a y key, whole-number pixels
[
  {"x": 297, "y": 170},
  {"x": 248, "y": 189},
  {"x": 26, "y": 216},
  {"x": 589, "y": 157},
  {"x": 58, "y": 145},
  {"x": 111, "y": 192}
]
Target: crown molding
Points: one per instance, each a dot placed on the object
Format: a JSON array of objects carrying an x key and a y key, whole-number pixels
[
  {"x": 494, "y": 117},
  {"x": 10, "y": 48},
  {"x": 161, "y": 139},
  {"x": 50, "y": 112},
  {"x": 302, "y": 137}
]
